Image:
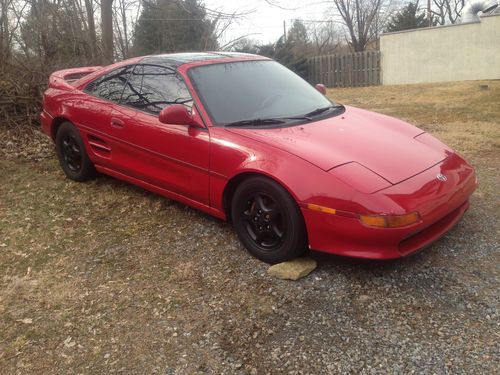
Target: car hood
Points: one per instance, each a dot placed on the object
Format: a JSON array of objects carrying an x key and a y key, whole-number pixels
[{"x": 385, "y": 145}]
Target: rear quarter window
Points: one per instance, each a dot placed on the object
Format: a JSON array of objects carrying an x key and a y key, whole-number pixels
[{"x": 110, "y": 86}]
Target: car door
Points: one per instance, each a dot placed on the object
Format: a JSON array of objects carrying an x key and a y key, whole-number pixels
[
  {"x": 173, "y": 157},
  {"x": 92, "y": 111}
]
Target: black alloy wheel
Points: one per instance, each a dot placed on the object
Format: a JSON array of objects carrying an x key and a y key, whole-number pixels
[
  {"x": 72, "y": 154},
  {"x": 268, "y": 220},
  {"x": 264, "y": 221}
]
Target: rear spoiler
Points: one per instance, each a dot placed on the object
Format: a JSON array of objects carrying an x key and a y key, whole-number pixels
[{"x": 66, "y": 79}]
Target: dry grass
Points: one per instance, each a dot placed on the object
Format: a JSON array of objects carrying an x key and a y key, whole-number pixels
[{"x": 103, "y": 277}]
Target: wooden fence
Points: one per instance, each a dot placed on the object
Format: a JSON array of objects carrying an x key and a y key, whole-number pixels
[{"x": 345, "y": 69}]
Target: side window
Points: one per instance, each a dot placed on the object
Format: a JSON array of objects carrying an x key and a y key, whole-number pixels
[
  {"x": 110, "y": 85},
  {"x": 151, "y": 88}
]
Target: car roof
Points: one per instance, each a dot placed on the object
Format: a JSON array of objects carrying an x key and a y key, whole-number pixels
[{"x": 178, "y": 59}]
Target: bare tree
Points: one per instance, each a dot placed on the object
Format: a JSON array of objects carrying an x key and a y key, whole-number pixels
[
  {"x": 447, "y": 11},
  {"x": 324, "y": 37},
  {"x": 37, "y": 37},
  {"x": 4, "y": 29},
  {"x": 107, "y": 30},
  {"x": 125, "y": 16},
  {"x": 361, "y": 18},
  {"x": 89, "y": 8}
]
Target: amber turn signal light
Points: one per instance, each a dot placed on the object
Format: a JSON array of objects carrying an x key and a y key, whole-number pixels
[{"x": 390, "y": 221}]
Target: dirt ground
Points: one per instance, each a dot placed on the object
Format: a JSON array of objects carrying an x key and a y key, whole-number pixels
[{"x": 103, "y": 277}]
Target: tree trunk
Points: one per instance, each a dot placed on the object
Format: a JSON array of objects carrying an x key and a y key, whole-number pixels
[
  {"x": 91, "y": 23},
  {"x": 107, "y": 30},
  {"x": 125, "y": 33},
  {"x": 4, "y": 32}
]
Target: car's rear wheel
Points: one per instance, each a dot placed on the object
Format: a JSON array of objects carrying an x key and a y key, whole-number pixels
[
  {"x": 72, "y": 155},
  {"x": 268, "y": 220}
]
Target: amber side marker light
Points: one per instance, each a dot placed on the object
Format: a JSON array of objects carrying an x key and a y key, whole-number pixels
[
  {"x": 390, "y": 221},
  {"x": 326, "y": 210}
]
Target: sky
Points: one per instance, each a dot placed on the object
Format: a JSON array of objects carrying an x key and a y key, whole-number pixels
[{"x": 264, "y": 21}]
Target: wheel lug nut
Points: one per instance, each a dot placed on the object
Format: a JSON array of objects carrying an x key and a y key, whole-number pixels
[
  {"x": 268, "y": 227},
  {"x": 255, "y": 218}
]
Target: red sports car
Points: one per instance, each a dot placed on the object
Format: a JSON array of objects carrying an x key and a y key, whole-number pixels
[{"x": 246, "y": 140}]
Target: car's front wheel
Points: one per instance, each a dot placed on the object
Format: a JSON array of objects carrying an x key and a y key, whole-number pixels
[
  {"x": 268, "y": 220},
  {"x": 72, "y": 155}
]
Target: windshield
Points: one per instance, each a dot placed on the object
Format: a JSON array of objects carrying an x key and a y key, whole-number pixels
[{"x": 248, "y": 90}]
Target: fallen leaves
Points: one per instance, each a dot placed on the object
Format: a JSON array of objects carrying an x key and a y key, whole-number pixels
[{"x": 28, "y": 143}]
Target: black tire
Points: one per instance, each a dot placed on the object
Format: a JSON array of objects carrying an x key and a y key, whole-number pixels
[
  {"x": 72, "y": 154},
  {"x": 268, "y": 221}
]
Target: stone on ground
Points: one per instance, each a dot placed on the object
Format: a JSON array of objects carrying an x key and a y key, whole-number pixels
[{"x": 293, "y": 269}]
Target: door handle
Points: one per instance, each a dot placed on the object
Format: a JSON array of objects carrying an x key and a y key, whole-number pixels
[{"x": 117, "y": 123}]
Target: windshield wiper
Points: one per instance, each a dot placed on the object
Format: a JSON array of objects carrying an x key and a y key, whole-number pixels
[
  {"x": 256, "y": 122},
  {"x": 282, "y": 120},
  {"x": 319, "y": 111}
]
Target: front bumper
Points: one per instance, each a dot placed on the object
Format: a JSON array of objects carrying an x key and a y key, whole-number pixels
[{"x": 440, "y": 204}]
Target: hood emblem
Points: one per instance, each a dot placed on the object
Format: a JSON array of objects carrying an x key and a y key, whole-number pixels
[{"x": 441, "y": 177}]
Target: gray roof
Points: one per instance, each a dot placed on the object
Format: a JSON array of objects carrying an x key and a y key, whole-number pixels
[{"x": 177, "y": 59}]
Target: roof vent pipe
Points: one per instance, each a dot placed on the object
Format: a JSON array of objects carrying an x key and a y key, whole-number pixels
[{"x": 472, "y": 8}]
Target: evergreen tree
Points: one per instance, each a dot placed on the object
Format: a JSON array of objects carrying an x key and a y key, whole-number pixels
[
  {"x": 407, "y": 18},
  {"x": 174, "y": 26},
  {"x": 292, "y": 53},
  {"x": 297, "y": 35},
  {"x": 285, "y": 53}
]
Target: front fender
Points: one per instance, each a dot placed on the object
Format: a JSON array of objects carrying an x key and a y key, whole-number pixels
[{"x": 233, "y": 156}]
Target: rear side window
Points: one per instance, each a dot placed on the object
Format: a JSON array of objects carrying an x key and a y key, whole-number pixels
[
  {"x": 151, "y": 88},
  {"x": 110, "y": 86}
]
